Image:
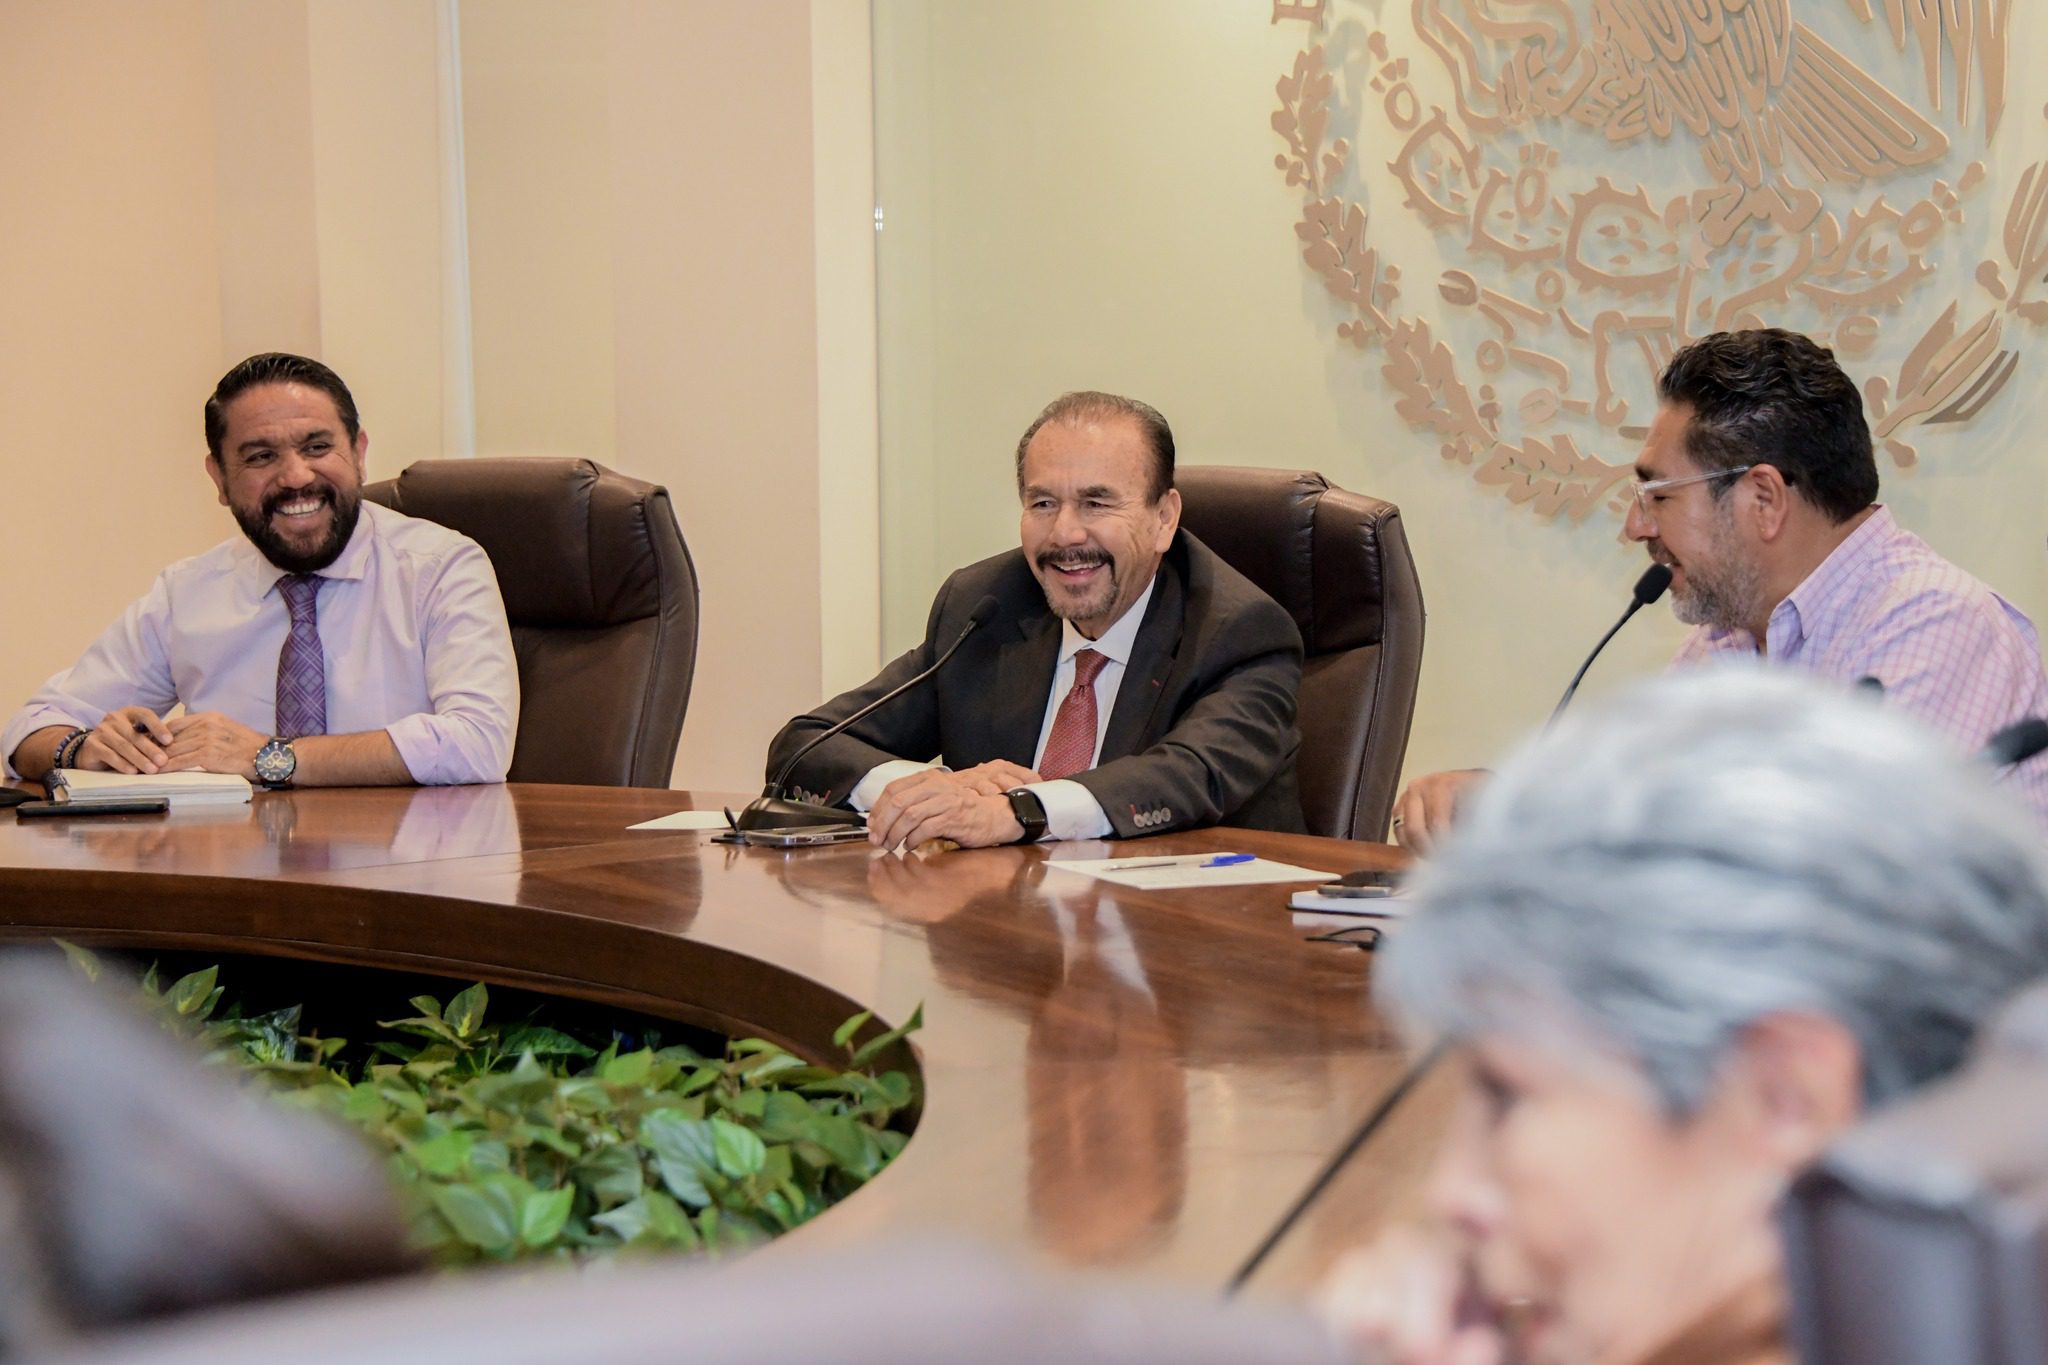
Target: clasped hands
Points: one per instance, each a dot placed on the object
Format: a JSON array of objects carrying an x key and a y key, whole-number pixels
[
  {"x": 969, "y": 807},
  {"x": 134, "y": 739}
]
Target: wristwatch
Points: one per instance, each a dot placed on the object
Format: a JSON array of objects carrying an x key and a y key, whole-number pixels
[
  {"x": 1030, "y": 813},
  {"x": 275, "y": 763}
]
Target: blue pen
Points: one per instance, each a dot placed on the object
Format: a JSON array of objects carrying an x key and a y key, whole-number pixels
[{"x": 1227, "y": 859}]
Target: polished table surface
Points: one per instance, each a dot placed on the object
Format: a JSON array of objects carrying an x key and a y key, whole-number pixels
[{"x": 1141, "y": 1079}]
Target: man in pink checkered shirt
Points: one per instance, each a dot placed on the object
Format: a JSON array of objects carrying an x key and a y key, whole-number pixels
[{"x": 1757, "y": 486}]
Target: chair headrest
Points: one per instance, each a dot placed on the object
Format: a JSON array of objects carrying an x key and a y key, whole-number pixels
[
  {"x": 1314, "y": 549},
  {"x": 570, "y": 540}
]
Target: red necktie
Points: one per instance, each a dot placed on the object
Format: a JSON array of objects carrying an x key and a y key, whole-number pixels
[{"x": 1070, "y": 748}]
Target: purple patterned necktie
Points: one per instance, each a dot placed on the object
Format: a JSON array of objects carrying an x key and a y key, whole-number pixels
[{"x": 301, "y": 668}]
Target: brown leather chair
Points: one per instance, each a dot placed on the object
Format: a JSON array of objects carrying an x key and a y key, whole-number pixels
[
  {"x": 1339, "y": 563},
  {"x": 602, "y": 597},
  {"x": 1921, "y": 1234}
]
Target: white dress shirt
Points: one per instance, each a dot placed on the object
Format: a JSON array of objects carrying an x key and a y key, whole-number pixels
[
  {"x": 412, "y": 635},
  {"x": 1071, "y": 810}
]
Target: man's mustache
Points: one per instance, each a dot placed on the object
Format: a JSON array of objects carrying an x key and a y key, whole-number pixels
[
  {"x": 277, "y": 500},
  {"x": 1071, "y": 559}
]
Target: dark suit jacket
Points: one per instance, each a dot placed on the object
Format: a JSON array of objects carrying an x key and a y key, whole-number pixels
[{"x": 1203, "y": 729}]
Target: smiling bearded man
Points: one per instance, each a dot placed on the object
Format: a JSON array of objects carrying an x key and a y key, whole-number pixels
[
  {"x": 1757, "y": 487},
  {"x": 1129, "y": 681},
  {"x": 248, "y": 637}
]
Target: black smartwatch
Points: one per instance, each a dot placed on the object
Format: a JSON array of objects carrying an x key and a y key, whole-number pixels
[
  {"x": 275, "y": 764},
  {"x": 1030, "y": 813}
]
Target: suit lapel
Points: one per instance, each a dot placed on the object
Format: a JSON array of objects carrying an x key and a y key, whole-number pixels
[
  {"x": 1143, "y": 690},
  {"x": 1023, "y": 681}
]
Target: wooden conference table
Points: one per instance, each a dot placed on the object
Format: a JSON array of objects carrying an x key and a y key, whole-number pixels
[{"x": 1143, "y": 1080}]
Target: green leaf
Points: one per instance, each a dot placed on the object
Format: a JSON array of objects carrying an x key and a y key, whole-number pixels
[
  {"x": 84, "y": 959},
  {"x": 542, "y": 1217},
  {"x": 843, "y": 1035},
  {"x": 543, "y": 1041},
  {"x": 740, "y": 1153},
  {"x": 526, "y": 1084},
  {"x": 189, "y": 994},
  {"x": 895, "y": 1089},
  {"x": 839, "y": 1136},
  {"x": 631, "y": 1069},
  {"x": 783, "y": 1116},
  {"x": 427, "y": 1005},
  {"x": 881, "y": 1041},
  {"x": 483, "y": 1215},
  {"x": 747, "y": 1104},
  {"x": 698, "y": 1079},
  {"x": 425, "y": 1026},
  {"x": 365, "y": 1107},
  {"x": 585, "y": 1096},
  {"x": 611, "y": 1174},
  {"x": 747, "y": 1047},
  {"x": 445, "y": 1155},
  {"x": 652, "y": 1219},
  {"x": 684, "y": 1150},
  {"x": 465, "y": 1013}
]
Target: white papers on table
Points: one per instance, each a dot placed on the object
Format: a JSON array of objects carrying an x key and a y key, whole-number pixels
[
  {"x": 1180, "y": 871},
  {"x": 685, "y": 819},
  {"x": 1372, "y": 907},
  {"x": 1318, "y": 910},
  {"x": 182, "y": 790}
]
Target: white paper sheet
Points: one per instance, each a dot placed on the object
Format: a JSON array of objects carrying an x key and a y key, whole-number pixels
[
  {"x": 685, "y": 819},
  {"x": 1121, "y": 871}
]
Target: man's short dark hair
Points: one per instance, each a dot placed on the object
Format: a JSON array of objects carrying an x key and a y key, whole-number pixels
[
  {"x": 1774, "y": 397},
  {"x": 276, "y": 367},
  {"x": 1088, "y": 405}
]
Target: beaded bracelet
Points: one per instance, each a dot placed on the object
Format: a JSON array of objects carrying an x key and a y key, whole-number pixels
[{"x": 68, "y": 747}]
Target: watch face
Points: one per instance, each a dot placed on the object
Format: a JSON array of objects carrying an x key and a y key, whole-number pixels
[
  {"x": 1029, "y": 810},
  {"x": 275, "y": 762}
]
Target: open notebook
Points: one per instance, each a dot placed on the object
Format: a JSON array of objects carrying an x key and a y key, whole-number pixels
[{"x": 183, "y": 789}]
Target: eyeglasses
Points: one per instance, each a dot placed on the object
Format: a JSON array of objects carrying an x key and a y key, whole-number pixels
[{"x": 1642, "y": 490}]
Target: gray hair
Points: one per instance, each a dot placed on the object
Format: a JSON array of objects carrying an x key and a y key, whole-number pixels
[
  {"x": 1087, "y": 405},
  {"x": 1654, "y": 875}
]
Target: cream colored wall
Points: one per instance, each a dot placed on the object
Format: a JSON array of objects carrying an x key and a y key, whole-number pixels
[
  {"x": 110, "y": 313},
  {"x": 1084, "y": 195},
  {"x": 629, "y": 230}
]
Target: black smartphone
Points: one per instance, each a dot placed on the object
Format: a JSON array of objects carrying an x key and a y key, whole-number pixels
[
  {"x": 805, "y": 836},
  {"x": 150, "y": 806},
  {"x": 14, "y": 796},
  {"x": 1367, "y": 881}
]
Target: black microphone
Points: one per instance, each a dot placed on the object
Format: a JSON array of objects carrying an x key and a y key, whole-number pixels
[
  {"x": 771, "y": 810},
  {"x": 2016, "y": 743},
  {"x": 1649, "y": 588}
]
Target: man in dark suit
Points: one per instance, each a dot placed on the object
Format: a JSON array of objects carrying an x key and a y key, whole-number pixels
[{"x": 1129, "y": 683}]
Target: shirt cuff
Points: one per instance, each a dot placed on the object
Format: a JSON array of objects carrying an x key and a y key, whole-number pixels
[
  {"x": 868, "y": 790},
  {"x": 1071, "y": 810}
]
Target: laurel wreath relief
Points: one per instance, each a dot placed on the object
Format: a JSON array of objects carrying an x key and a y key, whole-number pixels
[{"x": 1617, "y": 276}]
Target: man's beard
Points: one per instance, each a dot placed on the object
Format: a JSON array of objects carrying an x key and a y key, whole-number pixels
[
  {"x": 256, "y": 525},
  {"x": 1722, "y": 592},
  {"x": 1067, "y": 609}
]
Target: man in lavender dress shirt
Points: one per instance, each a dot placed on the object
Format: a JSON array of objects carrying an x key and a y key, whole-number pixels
[
  {"x": 333, "y": 643},
  {"x": 1757, "y": 485}
]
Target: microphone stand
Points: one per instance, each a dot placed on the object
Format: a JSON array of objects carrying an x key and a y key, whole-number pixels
[
  {"x": 1648, "y": 589},
  {"x": 772, "y": 810}
]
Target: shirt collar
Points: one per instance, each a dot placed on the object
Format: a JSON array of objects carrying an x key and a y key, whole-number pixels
[
  {"x": 1118, "y": 641},
  {"x": 1819, "y": 595},
  {"x": 352, "y": 562}
]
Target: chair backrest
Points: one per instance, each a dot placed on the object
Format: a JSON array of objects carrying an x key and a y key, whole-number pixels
[
  {"x": 1339, "y": 563},
  {"x": 1922, "y": 1233},
  {"x": 602, "y": 598}
]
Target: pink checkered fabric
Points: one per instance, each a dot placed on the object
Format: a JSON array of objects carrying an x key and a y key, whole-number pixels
[
  {"x": 1946, "y": 647},
  {"x": 301, "y": 666}
]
